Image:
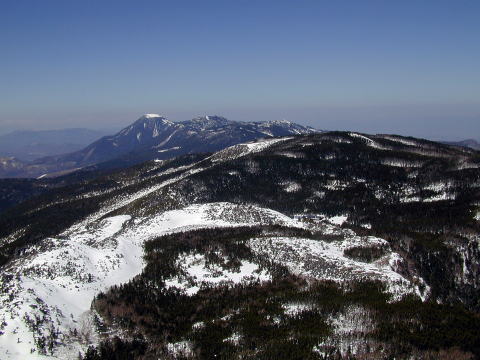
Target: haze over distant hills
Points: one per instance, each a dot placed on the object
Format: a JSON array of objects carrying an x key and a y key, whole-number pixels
[
  {"x": 28, "y": 145},
  {"x": 153, "y": 136}
]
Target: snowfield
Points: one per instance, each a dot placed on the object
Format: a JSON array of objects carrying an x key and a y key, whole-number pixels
[
  {"x": 199, "y": 273},
  {"x": 327, "y": 260},
  {"x": 52, "y": 286},
  {"x": 46, "y": 294},
  {"x": 237, "y": 151}
]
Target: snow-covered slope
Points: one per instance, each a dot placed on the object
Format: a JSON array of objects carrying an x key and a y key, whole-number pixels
[
  {"x": 49, "y": 290},
  {"x": 340, "y": 186}
]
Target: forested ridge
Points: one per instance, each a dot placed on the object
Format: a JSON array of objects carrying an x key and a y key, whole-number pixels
[
  {"x": 156, "y": 316},
  {"x": 422, "y": 197}
]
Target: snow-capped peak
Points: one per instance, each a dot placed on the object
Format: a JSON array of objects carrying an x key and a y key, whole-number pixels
[
  {"x": 283, "y": 121},
  {"x": 209, "y": 121},
  {"x": 153, "y": 119},
  {"x": 150, "y": 116},
  {"x": 211, "y": 118}
]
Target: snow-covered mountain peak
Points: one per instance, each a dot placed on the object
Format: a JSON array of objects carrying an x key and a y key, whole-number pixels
[
  {"x": 151, "y": 116},
  {"x": 282, "y": 122},
  {"x": 154, "y": 133},
  {"x": 210, "y": 121},
  {"x": 147, "y": 126},
  {"x": 287, "y": 126}
]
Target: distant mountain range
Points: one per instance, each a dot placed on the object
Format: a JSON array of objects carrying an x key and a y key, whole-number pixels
[
  {"x": 31, "y": 154},
  {"x": 30, "y": 145},
  {"x": 152, "y": 136}
]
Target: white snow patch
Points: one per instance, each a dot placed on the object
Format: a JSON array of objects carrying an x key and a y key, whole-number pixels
[
  {"x": 336, "y": 184},
  {"x": 440, "y": 196},
  {"x": 290, "y": 154},
  {"x": 467, "y": 165},
  {"x": 150, "y": 116},
  {"x": 237, "y": 151},
  {"x": 167, "y": 139},
  {"x": 198, "y": 325},
  {"x": 200, "y": 274},
  {"x": 368, "y": 141},
  {"x": 60, "y": 282},
  {"x": 354, "y": 318},
  {"x": 402, "y": 163},
  {"x": 439, "y": 186},
  {"x": 338, "y": 139},
  {"x": 180, "y": 349},
  {"x": 327, "y": 261},
  {"x": 173, "y": 148},
  {"x": 401, "y": 140},
  {"x": 409, "y": 199},
  {"x": 337, "y": 220},
  {"x": 330, "y": 156},
  {"x": 349, "y": 329},
  {"x": 291, "y": 186},
  {"x": 296, "y": 308},
  {"x": 234, "y": 338}
]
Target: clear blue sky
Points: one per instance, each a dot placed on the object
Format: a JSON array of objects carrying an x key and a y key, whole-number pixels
[{"x": 410, "y": 67}]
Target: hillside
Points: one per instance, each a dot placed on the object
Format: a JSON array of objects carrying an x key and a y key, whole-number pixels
[{"x": 314, "y": 246}]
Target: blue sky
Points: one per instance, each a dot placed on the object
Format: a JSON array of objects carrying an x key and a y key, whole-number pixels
[{"x": 409, "y": 67}]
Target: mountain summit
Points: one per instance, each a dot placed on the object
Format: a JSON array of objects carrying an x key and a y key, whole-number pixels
[
  {"x": 153, "y": 136},
  {"x": 146, "y": 128},
  {"x": 208, "y": 122}
]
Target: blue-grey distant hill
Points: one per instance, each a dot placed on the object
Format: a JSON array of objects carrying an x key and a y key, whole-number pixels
[
  {"x": 470, "y": 143},
  {"x": 30, "y": 145}
]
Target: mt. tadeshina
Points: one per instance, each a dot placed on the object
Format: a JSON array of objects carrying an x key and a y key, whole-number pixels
[{"x": 153, "y": 136}]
